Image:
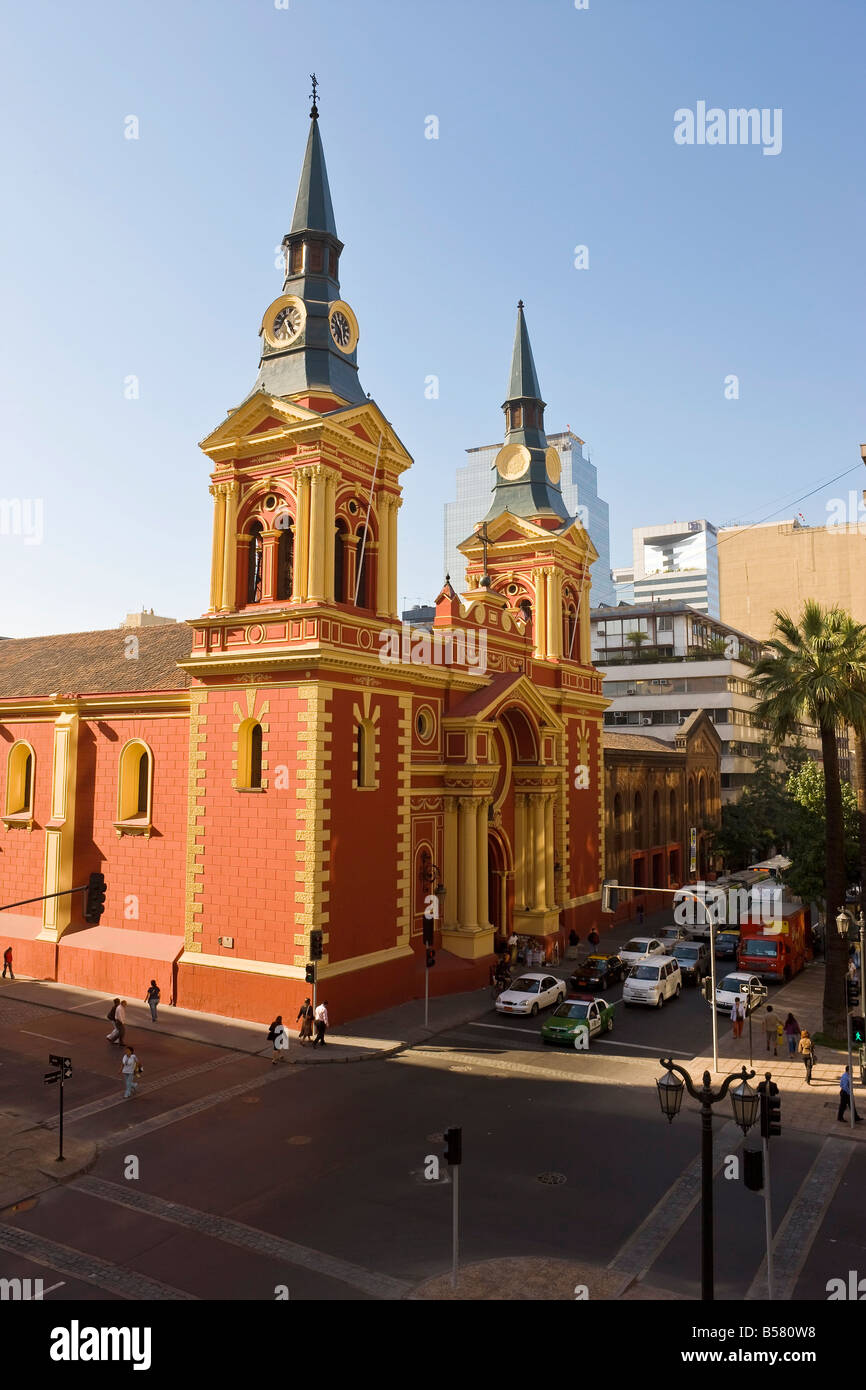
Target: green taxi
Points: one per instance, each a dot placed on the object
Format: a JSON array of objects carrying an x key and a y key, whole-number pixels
[{"x": 576, "y": 1020}]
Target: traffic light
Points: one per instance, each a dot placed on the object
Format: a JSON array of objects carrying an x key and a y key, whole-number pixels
[
  {"x": 609, "y": 895},
  {"x": 427, "y": 929},
  {"x": 771, "y": 1110},
  {"x": 858, "y": 1030},
  {"x": 753, "y": 1169},
  {"x": 431, "y": 959},
  {"x": 707, "y": 988},
  {"x": 310, "y": 973},
  {"x": 315, "y": 945},
  {"x": 454, "y": 1145},
  {"x": 852, "y": 989},
  {"x": 94, "y": 903}
]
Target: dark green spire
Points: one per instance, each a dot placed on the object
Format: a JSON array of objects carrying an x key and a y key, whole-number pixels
[
  {"x": 526, "y": 489},
  {"x": 313, "y": 208}
]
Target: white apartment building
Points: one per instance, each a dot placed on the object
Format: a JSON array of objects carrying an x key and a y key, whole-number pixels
[
  {"x": 663, "y": 661},
  {"x": 677, "y": 561}
]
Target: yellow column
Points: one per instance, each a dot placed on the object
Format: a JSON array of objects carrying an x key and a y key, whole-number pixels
[
  {"x": 317, "y": 542},
  {"x": 540, "y": 615},
  {"x": 554, "y": 614},
  {"x": 584, "y": 636},
  {"x": 230, "y": 545},
  {"x": 330, "y": 533},
  {"x": 392, "y": 589},
  {"x": 540, "y": 887},
  {"x": 467, "y": 893},
  {"x": 481, "y": 865},
  {"x": 60, "y": 829},
  {"x": 549, "y": 846},
  {"x": 449, "y": 878},
  {"x": 219, "y": 526},
  {"x": 302, "y": 532},
  {"x": 383, "y": 569},
  {"x": 520, "y": 874}
]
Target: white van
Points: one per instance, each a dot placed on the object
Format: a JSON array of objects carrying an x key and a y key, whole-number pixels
[{"x": 653, "y": 980}]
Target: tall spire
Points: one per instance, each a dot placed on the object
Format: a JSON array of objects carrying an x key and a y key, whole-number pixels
[
  {"x": 313, "y": 209},
  {"x": 527, "y": 470}
]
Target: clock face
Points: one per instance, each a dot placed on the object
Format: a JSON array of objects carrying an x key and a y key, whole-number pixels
[
  {"x": 286, "y": 324},
  {"x": 341, "y": 329},
  {"x": 554, "y": 465},
  {"x": 512, "y": 461}
]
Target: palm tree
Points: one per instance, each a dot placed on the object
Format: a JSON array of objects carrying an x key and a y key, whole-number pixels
[
  {"x": 815, "y": 673},
  {"x": 637, "y": 639}
]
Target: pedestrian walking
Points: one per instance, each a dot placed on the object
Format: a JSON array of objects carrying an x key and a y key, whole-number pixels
[
  {"x": 640, "y": 914},
  {"x": 112, "y": 1016},
  {"x": 7, "y": 963},
  {"x": 806, "y": 1049},
  {"x": 120, "y": 1022},
  {"x": 738, "y": 1014},
  {"x": 278, "y": 1036},
  {"x": 321, "y": 1020},
  {"x": 771, "y": 1021},
  {"x": 792, "y": 1031},
  {"x": 305, "y": 1014},
  {"x": 130, "y": 1070},
  {"x": 152, "y": 998},
  {"x": 593, "y": 938},
  {"x": 845, "y": 1096}
]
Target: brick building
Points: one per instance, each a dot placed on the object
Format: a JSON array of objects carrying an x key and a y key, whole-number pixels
[{"x": 296, "y": 759}]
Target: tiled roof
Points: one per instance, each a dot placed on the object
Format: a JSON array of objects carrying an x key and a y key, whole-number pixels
[
  {"x": 95, "y": 663},
  {"x": 626, "y": 743}
]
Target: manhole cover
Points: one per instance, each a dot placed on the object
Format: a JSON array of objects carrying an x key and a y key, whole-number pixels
[
  {"x": 250, "y": 1100},
  {"x": 300, "y": 1139},
  {"x": 435, "y": 1138},
  {"x": 552, "y": 1179}
]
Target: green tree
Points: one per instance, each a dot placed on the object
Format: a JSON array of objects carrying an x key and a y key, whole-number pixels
[
  {"x": 807, "y": 791},
  {"x": 814, "y": 672}
]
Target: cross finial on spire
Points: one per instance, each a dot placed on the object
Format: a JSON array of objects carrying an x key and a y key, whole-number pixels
[
  {"x": 314, "y": 111},
  {"x": 520, "y": 303}
]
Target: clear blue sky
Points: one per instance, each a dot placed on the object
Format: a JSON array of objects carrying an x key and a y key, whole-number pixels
[{"x": 155, "y": 258}]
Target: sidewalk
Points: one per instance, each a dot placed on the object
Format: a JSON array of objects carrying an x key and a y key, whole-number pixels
[{"x": 810, "y": 1108}]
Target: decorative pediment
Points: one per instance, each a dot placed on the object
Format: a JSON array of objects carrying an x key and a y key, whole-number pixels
[{"x": 260, "y": 416}]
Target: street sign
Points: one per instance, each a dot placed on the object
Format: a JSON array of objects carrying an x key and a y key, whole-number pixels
[
  {"x": 49, "y": 1077},
  {"x": 59, "y": 1061}
]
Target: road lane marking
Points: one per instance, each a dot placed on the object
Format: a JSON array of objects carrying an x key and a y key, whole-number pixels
[
  {"x": 646, "y": 1047},
  {"x": 125, "y": 1283},
  {"x": 802, "y": 1221},
  {"x": 230, "y": 1232},
  {"x": 644, "y": 1246},
  {"x": 503, "y": 1028}
]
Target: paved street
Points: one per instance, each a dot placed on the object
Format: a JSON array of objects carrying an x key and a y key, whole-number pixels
[{"x": 251, "y": 1177}]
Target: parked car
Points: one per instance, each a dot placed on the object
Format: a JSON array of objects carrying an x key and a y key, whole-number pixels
[
  {"x": 575, "y": 1016},
  {"x": 597, "y": 972},
  {"x": 693, "y": 958},
  {"x": 740, "y": 984},
  {"x": 638, "y": 947},
  {"x": 652, "y": 981},
  {"x": 529, "y": 994},
  {"x": 670, "y": 936},
  {"x": 726, "y": 945}
]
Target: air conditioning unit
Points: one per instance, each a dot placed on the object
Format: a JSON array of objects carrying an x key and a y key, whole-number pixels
[{"x": 645, "y": 719}]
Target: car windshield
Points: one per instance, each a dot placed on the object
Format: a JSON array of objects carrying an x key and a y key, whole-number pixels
[
  {"x": 637, "y": 947},
  {"x": 732, "y": 985},
  {"x": 670, "y": 933},
  {"x": 645, "y": 972},
  {"x": 525, "y": 986},
  {"x": 759, "y": 946},
  {"x": 687, "y": 952},
  {"x": 596, "y": 962},
  {"x": 571, "y": 1011}
]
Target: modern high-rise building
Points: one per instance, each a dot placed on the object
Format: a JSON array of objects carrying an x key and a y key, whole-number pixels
[
  {"x": 579, "y": 483},
  {"x": 677, "y": 562}
]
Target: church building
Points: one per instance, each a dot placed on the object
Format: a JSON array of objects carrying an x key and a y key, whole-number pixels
[{"x": 296, "y": 760}]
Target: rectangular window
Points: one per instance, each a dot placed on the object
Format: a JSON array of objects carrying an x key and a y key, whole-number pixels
[
  {"x": 316, "y": 257},
  {"x": 297, "y": 258}
]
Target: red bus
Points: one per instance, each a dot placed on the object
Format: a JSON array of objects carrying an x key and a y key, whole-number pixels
[{"x": 777, "y": 949}]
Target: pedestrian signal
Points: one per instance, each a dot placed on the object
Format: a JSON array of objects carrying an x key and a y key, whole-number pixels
[
  {"x": 454, "y": 1145},
  {"x": 771, "y": 1110},
  {"x": 431, "y": 959},
  {"x": 310, "y": 973},
  {"x": 753, "y": 1169},
  {"x": 858, "y": 1030}
]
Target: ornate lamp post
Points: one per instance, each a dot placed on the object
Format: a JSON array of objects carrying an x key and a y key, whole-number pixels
[{"x": 745, "y": 1103}]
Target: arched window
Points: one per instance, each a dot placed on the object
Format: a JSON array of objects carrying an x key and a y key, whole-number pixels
[
  {"x": 361, "y": 572},
  {"x": 254, "y": 573},
  {"x": 524, "y": 608},
  {"x": 657, "y": 819},
  {"x": 637, "y": 820},
  {"x": 249, "y": 776},
  {"x": 673, "y": 828},
  {"x": 572, "y": 640},
  {"x": 19, "y": 781},
  {"x": 285, "y": 558},
  {"x": 340, "y": 535},
  {"x": 691, "y": 802},
  {"x": 134, "y": 785},
  {"x": 617, "y": 821}
]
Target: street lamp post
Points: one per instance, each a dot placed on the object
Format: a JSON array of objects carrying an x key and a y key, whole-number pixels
[
  {"x": 848, "y": 928},
  {"x": 745, "y": 1103}
]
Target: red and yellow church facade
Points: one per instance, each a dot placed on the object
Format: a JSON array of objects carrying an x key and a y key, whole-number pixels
[{"x": 295, "y": 759}]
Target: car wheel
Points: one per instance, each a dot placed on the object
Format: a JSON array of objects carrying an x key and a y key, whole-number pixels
[
  {"x": 534, "y": 1010},
  {"x": 608, "y": 1026},
  {"x": 560, "y": 996},
  {"x": 679, "y": 991},
  {"x": 661, "y": 1002}
]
